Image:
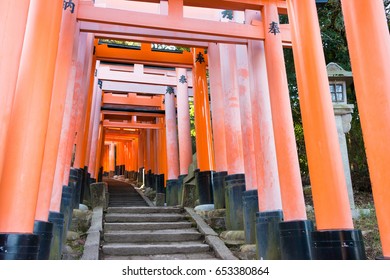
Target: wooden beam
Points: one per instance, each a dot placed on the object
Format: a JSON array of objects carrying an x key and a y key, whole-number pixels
[
  {"x": 143, "y": 39},
  {"x": 152, "y": 35},
  {"x": 143, "y": 56},
  {"x": 89, "y": 13},
  {"x": 139, "y": 114},
  {"x": 131, "y": 33},
  {"x": 132, "y": 99},
  {"x": 105, "y": 74},
  {"x": 121, "y": 132},
  {"x": 168, "y": 72},
  {"x": 136, "y": 88},
  {"x": 119, "y": 139},
  {"x": 107, "y": 123},
  {"x": 238, "y": 5}
]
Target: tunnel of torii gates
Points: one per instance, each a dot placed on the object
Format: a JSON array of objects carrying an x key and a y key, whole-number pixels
[{"x": 74, "y": 110}]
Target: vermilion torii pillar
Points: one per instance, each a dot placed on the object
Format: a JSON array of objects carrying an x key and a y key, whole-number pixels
[
  {"x": 141, "y": 158},
  {"x": 13, "y": 18},
  {"x": 294, "y": 209},
  {"x": 148, "y": 150},
  {"x": 288, "y": 164},
  {"x": 270, "y": 204},
  {"x": 89, "y": 86},
  {"x": 141, "y": 149},
  {"x": 267, "y": 174},
  {"x": 369, "y": 47},
  {"x": 119, "y": 158},
  {"x": 184, "y": 128},
  {"x": 250, "y": 196},
  {"x": 74, "y": 113},
  {"x": 218, "y": 116},
  {"x": 235, "y": 181},
  {"x": 161, "y": 157},
  {"x": 99, "y": 154},
  {"x": 62, "y": 95},
  {"x": 73, "y": 101},
  {"x": 217, "y": 107},
  {"x": 93, "y": 123},
  {"x": 235, "y": 157},
  {"x": 183, "y": 120},
  {"x": 171, "y": 131},
  {"x": 246, "y": 117},
  {"x": 334, "y": 220},
  {"x": 95, "y": 133},
  {"x": 106, "y": 165},
  {"x": 243, "y": 83},
  {"x": 62, "y": 86},
  {"x": 26, "y": 137},
  {"x": 134, "y": 151},
  {"x": 111, "y": 159},
  {"x": 204, "y": 139},
  {"x": 172, "y": 148}
]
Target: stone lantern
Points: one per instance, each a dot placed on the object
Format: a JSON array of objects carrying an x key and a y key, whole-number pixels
[{"x": 339, "y": 79}]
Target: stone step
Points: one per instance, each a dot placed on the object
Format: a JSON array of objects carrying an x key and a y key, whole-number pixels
[
  {"x": 144, "y": 210},
  {"x": 127, "y": 204},
  {"x": 136, "y": 218},
  {"x": 126, "y": 201},
  {"x": 124, "y": 249},
  {"x": 124, "y": 195},
  {"x": 118, "y": 202},
  {"x": 194, "y": 256},
  {"x": 145, "y": 226},
  {"x": 170, "y": 235}
]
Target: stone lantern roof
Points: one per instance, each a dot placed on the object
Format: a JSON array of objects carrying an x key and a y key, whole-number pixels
[{"x": 337, "y": 73}]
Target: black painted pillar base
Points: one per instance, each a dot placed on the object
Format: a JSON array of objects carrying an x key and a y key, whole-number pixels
[
  {"x": 338, "y": 245},
  {"x": 268, "y": 235},
  {"x": 180, "y": 188},
  {"x": 234, "y": 188},
  {"x": 295, "y": 240},
  {"x": 172, "y": 196},
  {"x": 135, "y": 176},
  {"x": 45, "y": 232},
  {"x": 149, "y": 180},
  {"x": 82, "y": 181},
  {"x": 15, "y": 246},
  {"x": 100, "y": 175},
  {"x": 75, "y": 182},
  {"x": 219, "y": 189},
  {"x": 152, "y": 181},
  {"x": 141, "y": 177},
  {"x": 159, "y": 183},
  {"x": 87, "y": 192},
  {"x": 66, "y": 209},
  {"x": 250, "y": 206},
  {"x": 57, "y": 219},
  {"x": 204, "y": 185},
  {"x": 382, "y": 258}
]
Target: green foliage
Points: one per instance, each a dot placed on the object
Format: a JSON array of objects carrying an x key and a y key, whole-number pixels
[
  {"x": 192, "y": 124},
  {"x": 333, "y": 34},
  {"x": 387, "y": 9}
]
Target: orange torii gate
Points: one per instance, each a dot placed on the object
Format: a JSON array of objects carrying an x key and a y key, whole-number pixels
[{"x": 29, "y": 204}]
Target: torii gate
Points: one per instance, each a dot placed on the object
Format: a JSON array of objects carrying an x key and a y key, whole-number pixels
[{"x": 31, "y": 185}]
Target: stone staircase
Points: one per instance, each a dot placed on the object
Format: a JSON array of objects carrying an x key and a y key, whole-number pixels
[
  {"x": 151, "y": 233},
  {"x": 123, "y": 194}
]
